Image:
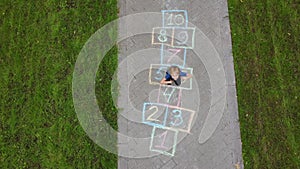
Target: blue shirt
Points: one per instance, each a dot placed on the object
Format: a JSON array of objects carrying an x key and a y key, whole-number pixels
[{"x": 168, "y": 76}]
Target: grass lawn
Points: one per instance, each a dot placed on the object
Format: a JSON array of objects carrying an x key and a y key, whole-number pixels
[
  {"x": 39, "y": 44},
  {"x": 266, "y": 41}
]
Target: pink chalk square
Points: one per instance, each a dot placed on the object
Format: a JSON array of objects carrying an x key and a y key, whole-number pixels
[
  {"x": 169, "y": 95},
  {"x": 174, "y": 56}
]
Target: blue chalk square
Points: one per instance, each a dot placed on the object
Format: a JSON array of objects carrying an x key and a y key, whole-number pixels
[
  {"x": 157, "y": 73},
  {"x": 154, "y": 114},
  {"x": 174, "y": 18}
]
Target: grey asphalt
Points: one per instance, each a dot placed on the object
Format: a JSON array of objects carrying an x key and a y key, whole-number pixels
[{"x": 221, "y": 150}]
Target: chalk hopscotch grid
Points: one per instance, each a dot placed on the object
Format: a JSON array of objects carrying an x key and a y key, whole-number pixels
[{"x": 162, "y": 65}]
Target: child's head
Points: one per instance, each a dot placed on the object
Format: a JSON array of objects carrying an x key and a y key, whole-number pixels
[{"x": 174, "y": 72}]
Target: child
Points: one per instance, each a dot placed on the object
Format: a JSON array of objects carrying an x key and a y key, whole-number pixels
[{"x": 174, "y": 76}]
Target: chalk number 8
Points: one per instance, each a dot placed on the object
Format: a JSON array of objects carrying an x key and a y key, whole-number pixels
[{"x": 162, "y": 37}]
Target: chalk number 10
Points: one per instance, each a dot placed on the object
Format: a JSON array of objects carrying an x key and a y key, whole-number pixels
[{"x": 177, "y": 20}]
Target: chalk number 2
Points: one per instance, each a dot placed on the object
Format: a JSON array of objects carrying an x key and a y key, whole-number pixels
[{"x": 150, "y": 117}]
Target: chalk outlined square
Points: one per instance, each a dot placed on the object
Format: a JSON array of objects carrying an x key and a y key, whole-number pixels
[
  {"x": 164, "y": 141},
  {"x": 154, "y": 114}
]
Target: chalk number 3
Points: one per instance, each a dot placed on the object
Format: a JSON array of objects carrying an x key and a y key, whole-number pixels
[{"x": 178, "y": 118}]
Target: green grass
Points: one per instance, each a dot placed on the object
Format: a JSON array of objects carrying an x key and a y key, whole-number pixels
[
  {"x": 266, "y": 53},
  {"x": 39, "y": 44}
]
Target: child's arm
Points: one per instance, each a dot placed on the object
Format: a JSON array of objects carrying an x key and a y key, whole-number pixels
[
  {"x": 164, "y": 81},
  {"x": 184, "y": 78}
]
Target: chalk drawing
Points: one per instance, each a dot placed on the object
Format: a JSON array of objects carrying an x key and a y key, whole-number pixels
[
  {"x": 164, "y": 134},
  {"x": 184, "y": 38},
  {"x": 176, "y": 55},
  {"x": 163, "y": 141},
  {"x": 154, "y": 114},
  {"x": 168, "y": 95},
  {"x": 174, "y": 18},
  {"x": 158, "y": 71},
  {"x": 179, "y": 118},
  {"x": 162, "y": 35},
  {"x": 175, "y": 37}
]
